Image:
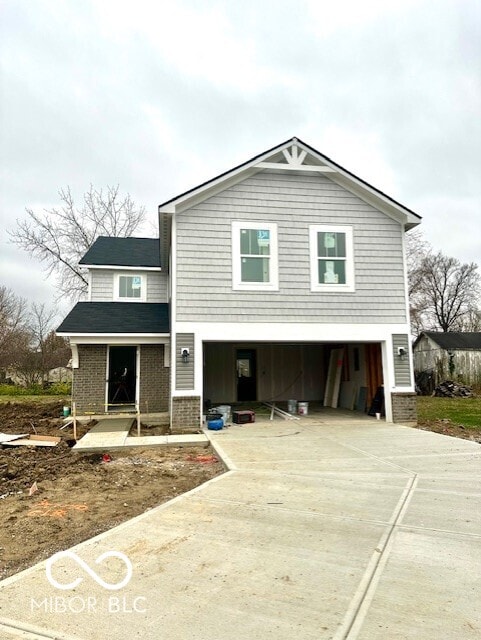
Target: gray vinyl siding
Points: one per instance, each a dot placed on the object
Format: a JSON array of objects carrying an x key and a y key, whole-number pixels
[
  {"x": 102, "y": 285},
  {"x": 157, "y": 284},
  {"x": 184, "y": 371},
  {"x": 402, "y": 373},
  {"x": 204, "y": 262}
]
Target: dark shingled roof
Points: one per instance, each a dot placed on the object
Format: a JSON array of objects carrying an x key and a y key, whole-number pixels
[
  {"x": 117, "y": 317},
  {"x": 123, "y": 252},
  {"x": 455, "y": 339}
]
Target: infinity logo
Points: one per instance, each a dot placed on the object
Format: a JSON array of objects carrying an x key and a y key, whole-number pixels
[{"x": 87, "y": 569}]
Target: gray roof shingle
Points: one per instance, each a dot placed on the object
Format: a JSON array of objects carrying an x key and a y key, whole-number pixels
[
  {"x": 455, "y": 339},
  {"x": 117, "y": 317},
  {"x": 123, "y": 252}
]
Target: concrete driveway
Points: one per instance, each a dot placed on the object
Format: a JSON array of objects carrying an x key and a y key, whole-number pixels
[{"x": 330, "y": 527}]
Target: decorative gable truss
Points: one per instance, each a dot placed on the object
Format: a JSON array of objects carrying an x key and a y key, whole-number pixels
[{"x": 295, "y": 159}]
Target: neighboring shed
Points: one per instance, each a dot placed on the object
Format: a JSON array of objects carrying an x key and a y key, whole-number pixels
[{"x": 447, "y": 356}]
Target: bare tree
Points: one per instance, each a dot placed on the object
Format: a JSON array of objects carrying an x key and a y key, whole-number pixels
[
  {"x": 417, "y": 249},
  {"x": 29, "y": 348},
  {"x": 13, "y": 323},
  {"x": 449, "y": 290},
  {"x": 51, "y": 351},
  {"x": 60, "y": 236}
]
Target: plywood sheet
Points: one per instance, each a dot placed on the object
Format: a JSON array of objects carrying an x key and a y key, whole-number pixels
[
  {"x": 331, "y": 395},
  {"x": 347, "y": 396}
]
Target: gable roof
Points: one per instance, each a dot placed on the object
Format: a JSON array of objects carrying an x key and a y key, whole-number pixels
[
  {"x": 123, "y": 252},
  {"x": 294, "y": 155},
  {"x": 116, "y": 317},
  {"x": 453, "y": 339}
]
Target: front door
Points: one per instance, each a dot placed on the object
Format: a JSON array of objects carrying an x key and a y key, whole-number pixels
[
  {"x": 246, "y": 375},
  {"x": 122, "y": 375}
]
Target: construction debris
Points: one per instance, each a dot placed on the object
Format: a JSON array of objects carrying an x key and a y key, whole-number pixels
[
  {"x": 450, "y": 389},
  {"x": 33, "y": 489},
  {"x": 280, "y": 412},
  {"x": 30, "y": 441},
  {"x": 7, "y": 437}
]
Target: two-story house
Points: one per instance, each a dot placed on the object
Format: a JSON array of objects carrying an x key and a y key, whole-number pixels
[{"x": 282, "y": 278}]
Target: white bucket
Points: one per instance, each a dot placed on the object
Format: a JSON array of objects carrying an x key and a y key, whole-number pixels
[
  {"x": 292, "y": 406},
  {"x": 225, "y": 410},
  {"x": 303, "y": 408}
]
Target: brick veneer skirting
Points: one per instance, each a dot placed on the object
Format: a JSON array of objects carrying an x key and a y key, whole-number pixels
[
  {"x": 404, "y": 408},
  {"x": 186, "y": 411}
]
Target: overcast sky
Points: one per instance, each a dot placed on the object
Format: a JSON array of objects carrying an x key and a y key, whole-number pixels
[{"x": 159, "y": 96}]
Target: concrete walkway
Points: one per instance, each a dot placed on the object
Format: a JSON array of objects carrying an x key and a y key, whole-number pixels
[
  {"x": 324, "y": 528},
  {"x": 113, "y": 433}
]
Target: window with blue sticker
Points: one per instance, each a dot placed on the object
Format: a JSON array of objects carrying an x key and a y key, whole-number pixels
[
  {"x": 130, "y": 287},
  {"x": 254, "y": 247},
  {"x": 332, "y": 260}
]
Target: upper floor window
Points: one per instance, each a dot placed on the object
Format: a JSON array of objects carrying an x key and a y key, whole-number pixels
[
  {"x": 254, "y": 256},
  {"x": 332, "y": 260},
  {"x": 129, "y": 287}
]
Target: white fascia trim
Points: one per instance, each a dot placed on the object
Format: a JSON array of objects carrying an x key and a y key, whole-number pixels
[
  {"x": 375, "y": 199},
  {"x": 290, "y": 331},
  {"x": 108, "y": 338},
  {"x": 120, "y": 267},
  {"x": 351, "y": 182}
]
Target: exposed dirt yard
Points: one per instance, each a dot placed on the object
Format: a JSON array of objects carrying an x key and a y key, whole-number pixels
[
  {"x": 448, "y": 428},
  {"x": 79, "y": 495}
]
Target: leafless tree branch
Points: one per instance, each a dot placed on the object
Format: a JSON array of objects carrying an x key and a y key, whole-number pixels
[{"x": 60, "y": 236}]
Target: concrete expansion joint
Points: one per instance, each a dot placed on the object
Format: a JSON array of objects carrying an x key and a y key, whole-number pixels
[
  {"x": 27, "y": 632},
  {"x": 359, "y": 607},
  {"x": 383, "y": 460}
]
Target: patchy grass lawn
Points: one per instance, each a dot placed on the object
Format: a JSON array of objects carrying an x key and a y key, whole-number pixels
[{"x": 460, "y": 417}]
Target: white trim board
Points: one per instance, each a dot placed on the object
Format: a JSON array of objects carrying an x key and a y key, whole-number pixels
[
  {"x": 120, "y": 339},
  {"x": 288, "y": 332},
  {"x": 120, "y": 267}
]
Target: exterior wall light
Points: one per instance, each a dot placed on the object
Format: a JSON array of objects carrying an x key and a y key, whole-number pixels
[
  {"x": 401, "y": 351},
  {"x": 185, "y": 354}
]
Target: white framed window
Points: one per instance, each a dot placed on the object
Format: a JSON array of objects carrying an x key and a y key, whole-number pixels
[
  {"x": 254, "y": 256},
  {"x": 130, "y": 287},
  {"x": 332, "y": 258}
]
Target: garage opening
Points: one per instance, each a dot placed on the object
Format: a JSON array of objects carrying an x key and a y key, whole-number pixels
[{"x": 334, "y": 375}]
